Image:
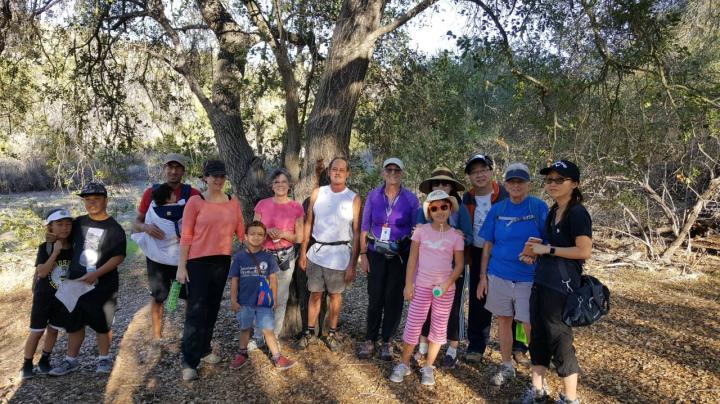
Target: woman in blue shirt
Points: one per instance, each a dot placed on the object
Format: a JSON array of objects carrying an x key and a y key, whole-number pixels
[{"x": 506, "y": 279}]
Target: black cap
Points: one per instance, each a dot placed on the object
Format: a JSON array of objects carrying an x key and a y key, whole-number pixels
[
  {"x": 478, "y": 158},
  {"x": 566, "y": 168},
  {"x": 214, "y": 167},
  {"x": 93, "y": 188}
]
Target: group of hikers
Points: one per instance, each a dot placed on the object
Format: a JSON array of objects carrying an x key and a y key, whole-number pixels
[{"x": 516, "y": 257}]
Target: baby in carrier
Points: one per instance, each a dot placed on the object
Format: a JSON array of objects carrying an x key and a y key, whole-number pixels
[{"x": 165, "y": 213}]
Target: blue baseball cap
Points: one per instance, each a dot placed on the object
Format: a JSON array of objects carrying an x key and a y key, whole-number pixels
[{"x": 517, "y": 171}]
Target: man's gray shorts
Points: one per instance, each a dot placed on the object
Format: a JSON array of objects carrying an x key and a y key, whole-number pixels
[
  {"x": 508, "y": 298},
  {"x": 321, "y": 279}
]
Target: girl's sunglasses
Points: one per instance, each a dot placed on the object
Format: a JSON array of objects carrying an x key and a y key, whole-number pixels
[
  {"x": 558, "y": 180},
  {"x": 441, "y": 183},
  {"x": 443, "y": 207}
]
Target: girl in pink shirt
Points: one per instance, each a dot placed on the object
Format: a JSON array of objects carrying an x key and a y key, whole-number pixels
[{"x": 435, "y": 246}]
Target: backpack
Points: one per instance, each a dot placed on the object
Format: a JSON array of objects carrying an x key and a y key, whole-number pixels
[{"x": 173, "y": 212}]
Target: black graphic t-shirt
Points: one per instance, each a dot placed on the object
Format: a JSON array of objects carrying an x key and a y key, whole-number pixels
[
  {"x": 50, "y": 283},
  {"x": 94, "y": 243}
]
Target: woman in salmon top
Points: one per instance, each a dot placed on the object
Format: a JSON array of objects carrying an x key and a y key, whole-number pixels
[{"x": 209, "y": 222}]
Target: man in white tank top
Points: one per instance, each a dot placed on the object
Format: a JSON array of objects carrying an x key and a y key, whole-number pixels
[{"x": 333, "y": 220}]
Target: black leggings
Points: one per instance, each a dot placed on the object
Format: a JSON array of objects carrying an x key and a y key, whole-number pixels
[
  {"x": 385, "y": 285},
  {"x": 208, "y": 276},
  {"x": 551, "y": 338}
]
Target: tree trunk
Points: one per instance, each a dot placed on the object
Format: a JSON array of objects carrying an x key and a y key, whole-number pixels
[
  {"x": 709, "y": 194},
  {"x": 330, "y": 122}
]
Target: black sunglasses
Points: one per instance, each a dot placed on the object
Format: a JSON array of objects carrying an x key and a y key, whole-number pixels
[{"x": 558, "y": 180}]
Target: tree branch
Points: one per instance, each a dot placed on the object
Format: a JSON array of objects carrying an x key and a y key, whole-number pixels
[{"x": 400, "y": 21}]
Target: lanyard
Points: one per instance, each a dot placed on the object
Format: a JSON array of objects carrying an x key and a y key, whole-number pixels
[{"x": 390, "y": 206}]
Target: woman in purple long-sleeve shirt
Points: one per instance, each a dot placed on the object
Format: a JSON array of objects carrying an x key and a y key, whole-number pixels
[{"x": 387, "y": 223}]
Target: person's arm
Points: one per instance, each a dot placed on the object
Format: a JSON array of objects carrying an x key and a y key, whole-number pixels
[
  {"x": 302, "y": 259},
  {"x": 240, "y": 229},
  {"x": 108, "y": 266},
  {"x": 139, "y": 225},
  {"x": 274, "y": 287},
  {"x": 581, "y": 251},
  {"x": 484, "y": 261},
  {"x": 350, "y": 270},
  {"x": 44, "y": 269},
  {"x": 366, "y": 226},
  {"x": 297, "y": 236},
  {"x": 457, "y": 270},
  {"x": 234, "y": 284},
  {"x": 189, "y": 216},
  {"x": 409, "y": 291}
]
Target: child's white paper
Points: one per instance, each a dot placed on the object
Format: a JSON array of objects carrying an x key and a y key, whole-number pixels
[{"x": 70, "y": 291}]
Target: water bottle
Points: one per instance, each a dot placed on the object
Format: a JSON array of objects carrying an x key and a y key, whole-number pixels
[
  {"x": 437, "y": 291},
  {"x": 171, "y": 302}
]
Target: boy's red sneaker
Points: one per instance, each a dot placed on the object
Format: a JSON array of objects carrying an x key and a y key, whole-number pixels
[
  {"x": 239, "y": 361},
  {"x": 283, "y": 363}
]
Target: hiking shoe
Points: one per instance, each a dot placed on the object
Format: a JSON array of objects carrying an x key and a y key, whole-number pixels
[
  {"x": 521, "y": 358},
  {"x": 399, "y": 372},
  {"x": 564, "y": 400},
  {"x": 283, "y": 363},
  {"x": 211, "y": 359},
  {"x": 306, "y": 340},
  {"x": 386, "y": 351},
  {"x": 65, "y": 367},
  {"x": 366, "y": 350},
  {"x": 27, "y": 371},
  {"x": 104, "y": 365},
  {"x": 239, "y": 361},
  {"x": 428, "y": 379},
  {"x": 473, "y": 357},
  {"x": 503, "y": 375},
  {"x": 534, "y": 396},
  {"x": 332, "y": 343},
  {"x": 43, "y": 366},
  {"x": 189, "y": 374},
  {"x": 449, "y": 362}
]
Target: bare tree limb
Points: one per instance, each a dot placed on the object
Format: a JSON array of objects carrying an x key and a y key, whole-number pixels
[{"x": 399, "y": 21}]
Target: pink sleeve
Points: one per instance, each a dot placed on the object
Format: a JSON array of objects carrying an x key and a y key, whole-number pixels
[
  {"x": 417, "y": 234},
  {"x": 189, "y": 215},
  {"x": 459, "y": 243},
  {"x": 299, "y": 211},
  {"x": 259, "y": 207},
  {"x": 240, "y": 230}
]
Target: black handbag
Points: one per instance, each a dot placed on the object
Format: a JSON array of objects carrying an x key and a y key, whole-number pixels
[{"x": 587, "y": 303}]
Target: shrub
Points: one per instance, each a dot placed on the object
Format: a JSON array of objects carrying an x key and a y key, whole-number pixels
[{"x": 22, "y": 176}]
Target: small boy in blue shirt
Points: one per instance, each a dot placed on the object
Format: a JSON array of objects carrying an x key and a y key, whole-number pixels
[{"x": 251, "y": 267}]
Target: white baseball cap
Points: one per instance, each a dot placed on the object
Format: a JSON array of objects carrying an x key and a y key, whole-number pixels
[{"x": 394, "y": 160}]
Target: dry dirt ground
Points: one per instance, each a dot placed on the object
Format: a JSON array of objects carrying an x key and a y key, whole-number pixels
[{"x": 660, "y": 343}]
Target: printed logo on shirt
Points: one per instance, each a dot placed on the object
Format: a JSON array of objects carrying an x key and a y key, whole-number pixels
[
  {"x": 59, "y": 273},
  {"x": 434, "y": 245},
  {"x": 91, "y": 249}
]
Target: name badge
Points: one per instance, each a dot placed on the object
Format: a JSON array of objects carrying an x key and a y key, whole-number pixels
[{"x": 385, "y": 234}]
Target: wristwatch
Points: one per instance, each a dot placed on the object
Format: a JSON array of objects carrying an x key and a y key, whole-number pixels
[{"x": 552, "y": 250}]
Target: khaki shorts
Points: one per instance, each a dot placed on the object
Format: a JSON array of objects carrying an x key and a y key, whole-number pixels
[
  {"x": 321, "y": 279},
  {"x": 508, "y": 298}
]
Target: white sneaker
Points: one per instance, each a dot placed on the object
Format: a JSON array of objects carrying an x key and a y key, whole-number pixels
[
  {"x": 428, "y": 378},
  {"x": 189, "y": 374},
  {"x": 399, "y": 373},
  {"x": 211, "y": 359},
  {"x": 504, "y": 374}
]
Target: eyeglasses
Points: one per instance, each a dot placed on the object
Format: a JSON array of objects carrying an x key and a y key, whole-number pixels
[
  {"x": 393, "y": 170},
  {"x": 443, "y": 207},
  {"x": 558, "y": 180}
]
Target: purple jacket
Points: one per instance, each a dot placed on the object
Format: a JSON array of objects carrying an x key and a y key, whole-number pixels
[{"x": 402, "y": 215}]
